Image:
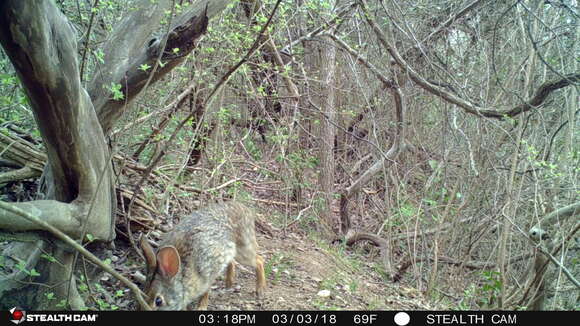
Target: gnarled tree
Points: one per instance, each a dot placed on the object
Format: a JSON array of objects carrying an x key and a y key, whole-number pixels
[{"x": 74, "y": 121}]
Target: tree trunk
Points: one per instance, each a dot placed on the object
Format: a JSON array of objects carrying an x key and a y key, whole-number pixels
[
  {"x": 44, "y": 57},
  {"x": 326, "y": 137},
  {"x": 80, "y": 198}
]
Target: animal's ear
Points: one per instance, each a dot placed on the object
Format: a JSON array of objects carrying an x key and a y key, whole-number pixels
[
  {"x": 168, "y": 261},
  {"x": 148, "y": 252}
]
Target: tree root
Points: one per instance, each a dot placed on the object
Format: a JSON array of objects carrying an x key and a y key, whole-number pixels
[{"x": 353, "y": 237}]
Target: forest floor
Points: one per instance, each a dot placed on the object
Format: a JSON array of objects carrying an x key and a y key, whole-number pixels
[
  {"x": 298, "y": 270},
  {"x": 302, "y": 272}
]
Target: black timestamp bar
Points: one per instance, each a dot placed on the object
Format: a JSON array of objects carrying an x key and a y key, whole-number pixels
[{"x": 291, "y": 318}]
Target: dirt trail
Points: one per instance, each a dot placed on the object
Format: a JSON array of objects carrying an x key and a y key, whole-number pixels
[{"x": 298, "y": 270}]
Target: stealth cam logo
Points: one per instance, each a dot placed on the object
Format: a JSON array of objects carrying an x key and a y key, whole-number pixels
[{"x": 17, "y": 315}]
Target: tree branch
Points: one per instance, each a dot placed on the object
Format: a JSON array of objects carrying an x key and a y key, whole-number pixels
[
  {"x": 358, "y": 57},
  {"x": 539, "y": 97},
  {"x": 124, "y": 66},
  {"x": 562, "y": 213}
]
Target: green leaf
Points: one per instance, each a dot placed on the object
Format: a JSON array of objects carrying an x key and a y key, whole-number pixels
[
  {"x": 83, "y": 287},
  {"x": 49, "y": 258},
  {"x": 144, "y": 67},
  {"x": 22, "y": 266}
]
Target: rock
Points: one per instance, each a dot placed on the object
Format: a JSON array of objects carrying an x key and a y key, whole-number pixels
[
  {"x": 139, "y": 277},
  {"x": 166, "y": 227},
  {"x": 324, "y": 293}
]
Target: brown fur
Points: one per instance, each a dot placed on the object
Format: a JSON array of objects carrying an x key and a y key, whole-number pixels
[{"x": 200, "y": 248}]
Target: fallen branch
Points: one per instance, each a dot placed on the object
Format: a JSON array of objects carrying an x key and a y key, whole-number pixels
[
  {"x": 17, "y": 152},
  {"x": 354, "y": 237},
  {"x": 448, "y": 260}
]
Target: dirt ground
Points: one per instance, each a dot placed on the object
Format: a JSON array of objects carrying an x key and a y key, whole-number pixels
[{"x": 300, "y": 270}]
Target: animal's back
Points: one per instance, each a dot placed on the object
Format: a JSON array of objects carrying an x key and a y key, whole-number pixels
[
  {"x": 198, "y": 249},
  {"x": 210, "y": 235}
]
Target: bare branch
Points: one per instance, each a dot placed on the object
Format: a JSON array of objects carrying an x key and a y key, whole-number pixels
[
  {"x": 561, "y": 213},
  {"x": 386, "y": 81},
  {"x": 539, "y": 97}
]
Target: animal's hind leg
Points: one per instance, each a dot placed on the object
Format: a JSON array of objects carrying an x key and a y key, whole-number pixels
[
  {"x": 203, "y": 302},
  {"x": 230, "y": 275},
  {"x": 247, "y": 255},
  {"x": 260, "y": 276}
]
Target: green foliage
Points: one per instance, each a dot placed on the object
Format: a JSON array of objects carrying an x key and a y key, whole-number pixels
[
  {"x": 116, "y": 92},
  {"x": 104, "y": 305},
  {"x": 22, "y": 267},
  {"x": 48, "y": 257},
  {"x": 102, "y": 299},
  {"x": 12, "y": 95},
  {"x": 99, "y": 55},
  {"x": 62, "y": 304},
  {"x": 276, "y": 266},
  {"x": 483, "y": 295},
  {"x": 144, "y": 67},
  {"x": 226, "y": 114},
  {"x": 253, "y": 149}
]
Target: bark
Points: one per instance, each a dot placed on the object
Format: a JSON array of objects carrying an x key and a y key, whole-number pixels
[
  {"x": 44, "y": 55},
  {"x": 562, "y": 213},
  {"x": 21, "y": 153}
]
